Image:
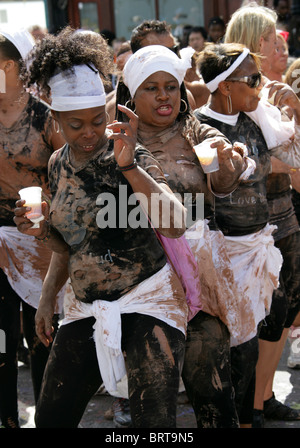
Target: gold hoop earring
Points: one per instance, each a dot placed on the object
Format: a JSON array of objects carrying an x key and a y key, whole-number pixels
[
  {"x": 185, "y": 107},
  {"x": 229, "y": 105},
  {"x": 55, "y": 124},
  {"x": 131, "y": 104}
]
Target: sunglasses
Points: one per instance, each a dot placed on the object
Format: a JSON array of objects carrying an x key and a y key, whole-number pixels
[{"x": 252, "y": 81}]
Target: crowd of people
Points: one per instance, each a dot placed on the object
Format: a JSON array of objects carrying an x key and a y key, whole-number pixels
[{"x": 149, "y": 291}]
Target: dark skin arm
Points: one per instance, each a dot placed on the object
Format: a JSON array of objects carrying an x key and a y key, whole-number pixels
[
  {"x": 143, "y": 185},
  {"x": 55, "y": 279}
]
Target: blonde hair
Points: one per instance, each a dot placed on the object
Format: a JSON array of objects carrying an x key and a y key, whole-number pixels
[
  {"x": 248, "y": 24},
  {"x": 292, "y": 76}
]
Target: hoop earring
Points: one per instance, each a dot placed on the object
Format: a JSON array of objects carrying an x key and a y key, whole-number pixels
[
  {"x": 185, "y": 107},
  {"x": 131, "y": 104},
  {"x": 229, "y": 105},
  {"x": 56, "y": 126},
  {"x": 107, "y": 118}
]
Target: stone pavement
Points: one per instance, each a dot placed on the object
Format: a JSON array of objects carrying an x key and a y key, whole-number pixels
[{"x": 286, "y": 388}]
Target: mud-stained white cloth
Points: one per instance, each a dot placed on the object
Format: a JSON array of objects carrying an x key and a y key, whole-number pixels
[
  {"x": 160, "y": 296},
  {"x": 275, "y": 129},
  {"x": 231, "y": 278},
  {"x": 256, "y": 265},
  {"x": 25, "y": 261},
  {"x": 78, "y": 88},
  {"x": 238, "y": 276}
]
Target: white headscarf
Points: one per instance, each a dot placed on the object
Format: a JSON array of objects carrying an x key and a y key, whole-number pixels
[
  {"x": 20, "y": 38},
  {"x": 152, "y": 59},
  {"x": 81, "y": 88}
]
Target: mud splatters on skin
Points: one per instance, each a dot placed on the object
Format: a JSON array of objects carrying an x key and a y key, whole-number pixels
[
  {"x": 164, "y": 344},
  {"x": 216, "y": 380}
]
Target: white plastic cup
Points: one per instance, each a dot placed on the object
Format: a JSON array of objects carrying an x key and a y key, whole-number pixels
[
  {"x": 33, "y": 198},
  {"x": 207, "y": 156},
  {"x": 264, "y": 94}
]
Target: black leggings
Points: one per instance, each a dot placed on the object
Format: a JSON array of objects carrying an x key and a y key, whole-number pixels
[
  {"x": 10, "y": 322},
  {"x": 154, "y": 357},
  {"x": 206, "y": 373},
  {"x": 286, "y": 299},
  {"x": 243, "y": 363}
]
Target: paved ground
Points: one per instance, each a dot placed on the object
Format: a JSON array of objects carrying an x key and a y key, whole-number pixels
[{"x": 286, "y": 388}]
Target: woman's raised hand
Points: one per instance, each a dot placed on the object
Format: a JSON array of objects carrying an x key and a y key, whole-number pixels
[
  {"x": 125, "y": 137},
  {"x": 227, "y": 155},
  {"x": 282, "y": 95}
]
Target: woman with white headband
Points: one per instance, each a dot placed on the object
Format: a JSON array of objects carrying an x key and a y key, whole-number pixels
[
  {"x": 153, "y": 87},
  {"x": 27, "y": 140},
  {"x": 127, "y": 298},
  {"x": 258, "y": 26},
  {"x": 232, "y": 73}
]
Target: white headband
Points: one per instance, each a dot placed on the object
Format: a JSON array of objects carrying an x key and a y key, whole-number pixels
[
  {"x": 20, "y": 38},
  {"x": 152, "y": 59},
  {"x": 213, "y": 85},
  {"x": 81, "y": 88}
]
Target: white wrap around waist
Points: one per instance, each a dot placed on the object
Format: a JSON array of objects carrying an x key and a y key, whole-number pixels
[{"x": 160, "y": 296}]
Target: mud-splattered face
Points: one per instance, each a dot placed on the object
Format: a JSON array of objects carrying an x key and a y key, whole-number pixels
[
  {"x": 157, "y": 100},
  {"x": 244, "y": 98},
  {"x": 83, "y": 129}
]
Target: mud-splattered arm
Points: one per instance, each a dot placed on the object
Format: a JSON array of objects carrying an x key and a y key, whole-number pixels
[{"x": 55, "y": 279}]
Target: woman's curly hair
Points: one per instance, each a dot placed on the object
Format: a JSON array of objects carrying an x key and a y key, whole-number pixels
[{"x": 56, "y": 53}]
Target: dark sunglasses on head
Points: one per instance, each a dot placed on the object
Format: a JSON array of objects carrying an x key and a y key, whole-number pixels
[{"x": 252, "y": 81}]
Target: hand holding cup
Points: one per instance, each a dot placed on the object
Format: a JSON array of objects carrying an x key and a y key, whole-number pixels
[{"x": 33, "y": 199}]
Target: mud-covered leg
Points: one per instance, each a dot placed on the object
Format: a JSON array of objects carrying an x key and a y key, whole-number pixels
[
  {"x": 71, "y": 377},
  {"x": 154, "y": 354},
  {"x": 243, "y": 363},
  {"x": 206, "y": 373}
]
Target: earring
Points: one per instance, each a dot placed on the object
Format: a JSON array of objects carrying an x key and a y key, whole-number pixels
[
  {"x": 56, "y": 126},
  {"x": 107, "y": 118},
  {"x": 131, "y": 104},
  {"x": 185, "y": 107},
  {"x": 229, "y": 105}
]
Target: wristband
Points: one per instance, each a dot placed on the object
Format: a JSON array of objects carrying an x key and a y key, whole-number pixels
[
  {"x": 46, "y": 238},
  {"x": 128, "y": 167}
]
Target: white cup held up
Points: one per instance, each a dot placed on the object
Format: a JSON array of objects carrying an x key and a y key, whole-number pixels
[
  {"x": 207, "y": 156},
  {"x": 33, "y": 199}
]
